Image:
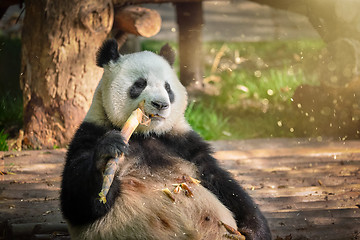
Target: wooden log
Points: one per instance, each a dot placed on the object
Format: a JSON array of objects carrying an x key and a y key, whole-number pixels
[{"x": 137, "y": 20}]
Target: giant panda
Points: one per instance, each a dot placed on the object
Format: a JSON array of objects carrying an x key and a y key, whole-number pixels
[{"x": 159, "y": 156}]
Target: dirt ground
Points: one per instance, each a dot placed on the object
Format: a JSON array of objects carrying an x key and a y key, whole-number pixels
[{"x": 306, "y": 189}]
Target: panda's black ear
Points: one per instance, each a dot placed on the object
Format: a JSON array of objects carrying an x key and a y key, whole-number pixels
[
  {"x": 107, "y": 52},
  {"x": 168, "y": 53}
]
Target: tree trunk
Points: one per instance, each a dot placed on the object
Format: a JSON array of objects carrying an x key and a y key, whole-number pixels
[
  {"x": 59, "y": 76},
  {"x": 190, "y": 22}
]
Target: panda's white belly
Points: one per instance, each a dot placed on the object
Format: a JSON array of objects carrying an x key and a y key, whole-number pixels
[{"x": 144, "y": 211}]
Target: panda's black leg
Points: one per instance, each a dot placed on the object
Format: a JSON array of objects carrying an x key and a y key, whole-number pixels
[
  {"x": 82, "y": 176},
  {"x": 249, "y": 219}
]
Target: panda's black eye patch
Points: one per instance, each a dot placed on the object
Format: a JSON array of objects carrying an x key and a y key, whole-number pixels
[
  {"x": 140, "y": 83},
  {"x": 137, "y": 88},
  {"x": 170, "y": 92}
]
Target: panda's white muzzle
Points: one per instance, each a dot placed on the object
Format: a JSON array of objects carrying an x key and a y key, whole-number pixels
[{"x": 157, "y": 110}]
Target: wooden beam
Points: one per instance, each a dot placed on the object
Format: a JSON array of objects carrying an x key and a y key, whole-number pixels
[
  {"x": 133, "y": 2},
  {"x": 137, "y": 20}
]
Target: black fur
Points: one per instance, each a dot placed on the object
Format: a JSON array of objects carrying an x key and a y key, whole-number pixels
[
  {"x": 248, "y": 217},
  {"x": 170, "y": 92},
  {"x": 160, "y": 105},
  {"x": 137, "y": 88},
  {"x": 168, "y": 54},
  {"x": 111, "y": 145},
  {"x": 107, "y": 52},
  {"x": 82, "y": 180}
]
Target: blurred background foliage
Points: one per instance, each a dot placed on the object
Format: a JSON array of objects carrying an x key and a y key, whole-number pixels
[
  {"x": 250, "y": 90},
  {"x": 11, "y": 104},
  {"x": 278, "y": 87}
]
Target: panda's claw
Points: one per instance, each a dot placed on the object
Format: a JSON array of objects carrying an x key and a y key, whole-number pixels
[{"x": 111, "y": 145}]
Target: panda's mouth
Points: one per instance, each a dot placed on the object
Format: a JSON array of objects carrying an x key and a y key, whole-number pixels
[{"x": 155, "y": 117}]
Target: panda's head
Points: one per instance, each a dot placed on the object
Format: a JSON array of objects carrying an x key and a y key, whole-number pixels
[{"x": 133, "y": 78}]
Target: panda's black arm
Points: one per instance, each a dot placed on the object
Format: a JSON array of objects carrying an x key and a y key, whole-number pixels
[
  {"x": 82, "y": 181},
  {"x": 219, "y": 182},
  {"x": 232, "y": 195}
]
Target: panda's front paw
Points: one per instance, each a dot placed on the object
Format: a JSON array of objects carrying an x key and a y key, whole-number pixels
[{"x": 111, "y": 145}]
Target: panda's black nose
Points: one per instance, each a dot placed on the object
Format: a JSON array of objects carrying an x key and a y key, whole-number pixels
[{"x": 160, "y": 105}]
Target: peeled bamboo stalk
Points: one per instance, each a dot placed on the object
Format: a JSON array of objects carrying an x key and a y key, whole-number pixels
[
  {"x": 137, "y": 117},
  {"x": 232, "y": 232}
]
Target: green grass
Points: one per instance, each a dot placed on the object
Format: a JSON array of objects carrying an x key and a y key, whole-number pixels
[
  {"x": 11, "y": 115},
  {"x": 11, "y": 110},
  {"x": 272, "y": 52},
  {"x": 204, "y": 119},
  {"x": 274, "y": 86},
  {"x": 10, "y": 94},
  {"x": 254, "y": 96},
  {"x": 3, "y": 144}
]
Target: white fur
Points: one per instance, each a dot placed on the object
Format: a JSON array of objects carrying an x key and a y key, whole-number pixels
[
  {"x": 144, "y": 212},
  {"x": 111, "y": 99}
]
